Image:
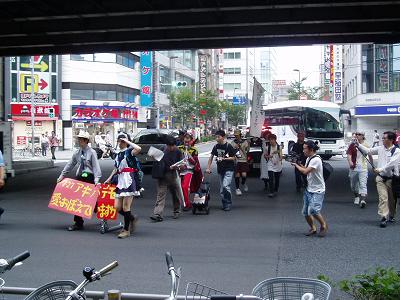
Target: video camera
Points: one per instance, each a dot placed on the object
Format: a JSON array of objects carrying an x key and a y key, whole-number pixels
[{"x": 292, "y": 157}]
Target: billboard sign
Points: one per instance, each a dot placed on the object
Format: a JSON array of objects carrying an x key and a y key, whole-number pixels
[
  {"x": 146, "y": 77},
  {"x": 202, "y": 73}
]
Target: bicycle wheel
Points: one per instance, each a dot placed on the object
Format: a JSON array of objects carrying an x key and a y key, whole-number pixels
[{"x": 56, "y": 290}]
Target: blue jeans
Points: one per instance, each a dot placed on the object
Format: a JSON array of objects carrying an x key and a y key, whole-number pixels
[
  {"x": 225, "y": 180},
  {"x": 312, "y": 203}
]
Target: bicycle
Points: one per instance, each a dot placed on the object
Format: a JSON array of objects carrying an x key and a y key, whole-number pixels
[
  {"x": 61, "y": 289},
  {"x": 8, "y": 264}
]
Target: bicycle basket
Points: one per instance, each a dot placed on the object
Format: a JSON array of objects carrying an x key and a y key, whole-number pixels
[
  {"x": 56, "y": 290},
  {"x": 288, "y": 288},
  {"x": 196, "y": 291}
]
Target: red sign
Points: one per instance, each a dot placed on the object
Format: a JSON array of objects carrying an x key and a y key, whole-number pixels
[
  {"x": 74, "y": 197},
  {"x": 106, "y": 203},
  {"x": 37, "y": 123},
  {"x": 21, "y": 140},
  {"x": 203, "y": 111},
  {"x": 104, "y": 113},
  {"x": 41, "y": 111}
]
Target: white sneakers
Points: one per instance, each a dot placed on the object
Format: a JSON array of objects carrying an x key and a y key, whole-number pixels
[
  {"x": 238, "y": 192},
  {"x": 245, "y": 188},
  {"x": 356, "y": 200}
]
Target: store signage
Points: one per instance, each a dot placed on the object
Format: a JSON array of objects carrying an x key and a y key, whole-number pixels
[
  {"x": 377, "y": 110},
  {"x": 37, "y": 123},
  {"x": 21, "y": 140},
  {"x": 221, "y": 74},
  {"x": 24, "y": 110},
  {"x": 337, "y": 88},
  {"x": 146, "y": 76},
  {"x": 202, "y": 73},
  {"x": 104, "y": 113},
  {"x": 239, "y": 100}
]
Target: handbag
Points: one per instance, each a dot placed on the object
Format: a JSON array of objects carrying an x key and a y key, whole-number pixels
[{"x": 158, "y": 170}]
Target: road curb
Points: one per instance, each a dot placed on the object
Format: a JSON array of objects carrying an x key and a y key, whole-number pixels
[{"x": 24, "y": 167}]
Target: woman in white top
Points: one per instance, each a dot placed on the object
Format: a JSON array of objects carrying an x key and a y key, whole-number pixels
[
  {"x": 263, "y": 161},
  {"x": 273, "y": 155}
]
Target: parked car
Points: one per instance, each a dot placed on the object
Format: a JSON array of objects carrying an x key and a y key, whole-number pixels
[
  {"x": 151, "y": 137},
  {"x": 254, "y": 154}
]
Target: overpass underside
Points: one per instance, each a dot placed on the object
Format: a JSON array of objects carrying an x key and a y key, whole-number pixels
[{"x": 85, "y": 26}]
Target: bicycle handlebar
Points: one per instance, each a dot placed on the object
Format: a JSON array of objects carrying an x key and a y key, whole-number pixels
[
  {"x": 18, "y": 258},
  {"x": 169, "y": 260},
  {"x": 107, "y": 268}
]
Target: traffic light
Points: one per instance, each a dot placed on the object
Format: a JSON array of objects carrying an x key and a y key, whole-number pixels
[
  {"x": 181, "y": 84},
  {"x": 51, "y": 112}
]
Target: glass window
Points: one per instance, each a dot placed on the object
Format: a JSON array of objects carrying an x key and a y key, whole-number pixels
[
  {"x": 188, "y": 59},
  {"x": 14, "y": 86},
  {"x": 232, "y": 86},
  {"x": 82, "y": 57},
  {"x": 237, "y": 55},
  {"x": 53, "y": 63},
  {"x": 105, "y": 95},
  {"x": 105, "y": 57},
  {"x": 81, "y": 94},
  {"x": 53, "y": 87},
  {"x": 322, "y": 122}
]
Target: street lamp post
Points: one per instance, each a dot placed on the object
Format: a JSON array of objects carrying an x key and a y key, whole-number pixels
[{"x": 297, "y": 70}]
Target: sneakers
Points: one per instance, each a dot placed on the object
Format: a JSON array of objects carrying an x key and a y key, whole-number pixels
[
  {"x": 124, "y": 234},
  {"x": 75, "y": 227},
  {"x": 322, "y": 232},
  {"x": 392, "y": 220},
  {"x": 356, "y": 200},
  {"x": 270, "y": 195},
  {"x": 245, "y": 188},
  {"x": 383, "y": 223},
  {"x": 156, "y": 218},
  {"x": 238, "y": 192},
  {"x": 132, "y": 225},
  {"x": 176, "y": 214},
  {"x": 1, "y": 211},
  {"x": 363, "y": 204}
]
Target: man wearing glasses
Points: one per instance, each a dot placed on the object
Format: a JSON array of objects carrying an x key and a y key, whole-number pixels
[{"x": 388, "y": 166}]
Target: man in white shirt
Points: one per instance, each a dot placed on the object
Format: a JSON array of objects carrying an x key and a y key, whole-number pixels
[
  {"x": 388, "y": 165},
  {"x": 315, "y": 192}
]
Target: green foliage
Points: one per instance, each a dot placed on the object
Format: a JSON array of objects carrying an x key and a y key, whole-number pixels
[
  {"x": 379, "y": 284},
  {"x": 183, "y": 104},
  {"x": 208, "y": 102},
  {"x": 236, "y": 113},
  {"x": 312, "y": 93}
]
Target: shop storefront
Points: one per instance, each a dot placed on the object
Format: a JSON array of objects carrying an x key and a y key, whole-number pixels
[
  {"x": 104, "y": 120},
  {"x": 45, "y": 119}
]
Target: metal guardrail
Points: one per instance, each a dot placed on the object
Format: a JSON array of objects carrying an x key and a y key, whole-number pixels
[{"x": 95, "y": 295}]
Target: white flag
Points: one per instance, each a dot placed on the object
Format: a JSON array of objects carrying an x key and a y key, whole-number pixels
[{"x": 257, "y": 114}]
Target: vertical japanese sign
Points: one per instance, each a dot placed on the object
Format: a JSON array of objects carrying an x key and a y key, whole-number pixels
[
  {"x": 106, "y": 203},
  {"x": 257, "y": 115},
  {"x": 338, "y": 70},
  {"x": 382, "y": 68},
  {"x": 146, "y": 95},
  {"x": 74, "y": 197},
  {"x": 221, "y": 74},
  {"x": 331, "y": 68},
  {"x": 202, "y": 73}
]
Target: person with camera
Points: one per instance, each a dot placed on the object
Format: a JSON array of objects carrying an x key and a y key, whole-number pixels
[
  {"x": 88, "y": 169},
  {"x": 225, "y": 157},
  {"x": 297, "y": 150},
  {"x": 273, "y": 155},
  {"x": 242, "y": 148},
  {"x": 315, "y": 191},
  {"x": 358, "y": 172},
  {"x": 388, "y": 167}
]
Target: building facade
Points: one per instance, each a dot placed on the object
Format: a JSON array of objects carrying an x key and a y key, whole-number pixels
[
  {"x": 100, "y": 94},
  {"x": 372, "y": 87}
]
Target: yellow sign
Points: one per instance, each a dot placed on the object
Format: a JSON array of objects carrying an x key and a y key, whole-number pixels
[
  {"x": 42, "y": 66},
  {"x": 25, "y": 83}
]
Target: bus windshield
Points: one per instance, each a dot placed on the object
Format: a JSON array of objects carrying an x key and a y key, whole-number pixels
[{"x": 322, "y": 123}]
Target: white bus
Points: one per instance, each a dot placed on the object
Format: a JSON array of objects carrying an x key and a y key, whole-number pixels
[{"x": 320, "y": 121}]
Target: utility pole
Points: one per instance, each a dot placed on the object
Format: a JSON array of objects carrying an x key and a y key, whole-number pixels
[{"x": 33, "y": 105}]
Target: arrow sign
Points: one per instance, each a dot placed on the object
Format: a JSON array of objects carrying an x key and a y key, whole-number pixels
[
  {"x": 42, "y": 66},
  {"x": 42, "y": 84}
]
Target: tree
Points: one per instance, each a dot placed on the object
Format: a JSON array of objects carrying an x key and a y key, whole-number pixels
[
  {"x": 183, "y": 105},
  {"x": 312, "y": 93},
  {"x": 236, "y": 114},
  {"x": 208, "y": 106}
]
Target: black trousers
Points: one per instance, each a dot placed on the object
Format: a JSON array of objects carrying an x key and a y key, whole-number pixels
[
  {"x": 273, "y": 181},
  {"x": 301, "y": 179},
  {"x": 89, "y": 179}
]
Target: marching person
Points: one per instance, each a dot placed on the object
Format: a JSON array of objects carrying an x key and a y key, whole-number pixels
[
  {"x": 314, "y": 193},
  {"x": 191, "y": 175},
  {"x": 54, "y": 143},
  {"x": 264, "y": 161},
  {"x": 375, "y": 141},
  {"x": 225, "y": 156},
  {"x": 242, "y": 166},
  {"x": 388, "y": 165},
  {"x": 2, "y": 167},
  {"x": 170, "y": 181},
  {"x": 298, "y": 149},
  {"x": 358, "y": 172},
  {"x": 88, "y": 169},
  {"x": 274, "y": 162},
  {"x": 126, "y": 169}
]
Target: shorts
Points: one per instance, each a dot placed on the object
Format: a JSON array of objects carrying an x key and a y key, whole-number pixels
[
  {"x": 242, "y": 167},
  {"x": 312, "y": 203}
]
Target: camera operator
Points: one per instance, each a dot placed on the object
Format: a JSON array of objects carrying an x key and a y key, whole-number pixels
[
  {"x": 315, "y": 192},
  {"x": 301, "y": 160}
]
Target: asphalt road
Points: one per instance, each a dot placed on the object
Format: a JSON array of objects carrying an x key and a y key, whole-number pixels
[{"x": 232, "y": 251}]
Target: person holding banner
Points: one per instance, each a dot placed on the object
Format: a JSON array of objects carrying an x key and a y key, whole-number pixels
[
  {"x": 125, "y": 176},
  {"x": 88, "y": 169}
]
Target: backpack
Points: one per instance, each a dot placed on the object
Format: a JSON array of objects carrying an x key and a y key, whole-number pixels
[{"x": 327, "y": 169}]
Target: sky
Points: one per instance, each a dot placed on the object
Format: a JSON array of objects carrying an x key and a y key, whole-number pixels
[{"x": 307, "y": 59}]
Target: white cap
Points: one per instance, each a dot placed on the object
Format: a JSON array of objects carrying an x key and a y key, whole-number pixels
[{"x": 83, "y": 134}]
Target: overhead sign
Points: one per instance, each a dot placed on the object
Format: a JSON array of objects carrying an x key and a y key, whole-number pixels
[
  {"x": 393, "y": 110},
  {"x": 41, "y": 83},
  {"x": 239, "y": 100},
  {"x": 23, "y": 111},
  {"x": 202, "y": 73},
  {"x": 257, "y": 115},
  {"x": 146, "y": 76},
  {"x": 338, "y": 70},
  {"x": 104, "y": 113}
]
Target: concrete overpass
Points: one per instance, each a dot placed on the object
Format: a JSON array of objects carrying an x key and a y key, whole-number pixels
[{"x": 79, "y": 26}]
